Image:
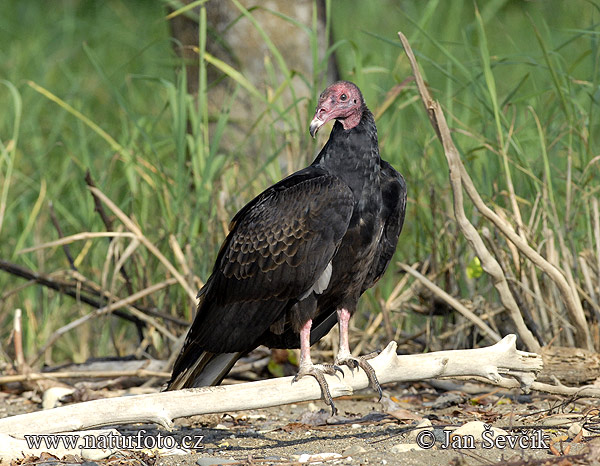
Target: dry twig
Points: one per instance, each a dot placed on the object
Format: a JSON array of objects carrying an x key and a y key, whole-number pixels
[
  {"x": 459, "y": 178},
  {"x": 131, "y": 226},
  {"x": 112, "y": 308},
  {"x": 452, "y": 302}
]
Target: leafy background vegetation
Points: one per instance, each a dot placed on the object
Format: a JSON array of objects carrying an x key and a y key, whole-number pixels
[{"x": 97, "y": 86}]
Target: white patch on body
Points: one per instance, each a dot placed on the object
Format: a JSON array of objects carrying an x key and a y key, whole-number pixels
[{"x": 321, "y": 284}]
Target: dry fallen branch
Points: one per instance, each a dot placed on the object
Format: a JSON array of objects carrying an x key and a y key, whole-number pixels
[
  {"x": 459, "y": 178},
  {"x": 112, "y": 308},
  {"x": 70, "y": 289},
  {"x": 492, "y": 363},
  {"x": 451, "y": 301},
  {"x": 141, "y": 373}
]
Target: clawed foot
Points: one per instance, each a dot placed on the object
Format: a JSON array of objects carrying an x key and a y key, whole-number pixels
[
  {"x": 361, "y": 361},
  {"x": 317, "y": 371}
]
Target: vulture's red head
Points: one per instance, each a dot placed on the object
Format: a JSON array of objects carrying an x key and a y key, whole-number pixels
[{"x": 341, "y": 101}]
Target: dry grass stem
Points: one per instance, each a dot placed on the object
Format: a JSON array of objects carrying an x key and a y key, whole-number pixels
[
  {"x": 436, "y": 290},
  {"x": 131, "y": 226},
  {"x": 457, "y": 180},
  {"x": 18, "y": 341},
  {"x": 110, "y": 308},
  {"x": 79, "y": 237}
]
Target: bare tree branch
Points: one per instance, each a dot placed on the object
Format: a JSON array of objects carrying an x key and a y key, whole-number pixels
[
  {"x": 459, "y": 178},
  {"x": 495, "y": 364}
]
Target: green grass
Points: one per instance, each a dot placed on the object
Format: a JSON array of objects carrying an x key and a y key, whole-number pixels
[{"x": 99, "y": 88}]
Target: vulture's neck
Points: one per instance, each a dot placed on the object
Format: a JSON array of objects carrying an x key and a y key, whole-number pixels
[{"x": 353, "y": 155}]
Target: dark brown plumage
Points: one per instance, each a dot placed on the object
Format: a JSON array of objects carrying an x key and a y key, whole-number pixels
[{"x": 301, "y": 253}]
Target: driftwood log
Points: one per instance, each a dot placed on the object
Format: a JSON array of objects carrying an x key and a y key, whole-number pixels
[
  {"x": 499, "y": 363},
  {"x": 570, "y": 366}
]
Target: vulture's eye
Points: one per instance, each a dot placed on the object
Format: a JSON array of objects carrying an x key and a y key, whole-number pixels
[{"x": 343, "y": 97}]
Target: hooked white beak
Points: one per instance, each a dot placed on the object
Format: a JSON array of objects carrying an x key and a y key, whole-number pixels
[{"x": 315, "y": 124}]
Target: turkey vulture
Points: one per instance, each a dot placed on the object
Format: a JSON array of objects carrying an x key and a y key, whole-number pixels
[{"x": 300, "y": 254}]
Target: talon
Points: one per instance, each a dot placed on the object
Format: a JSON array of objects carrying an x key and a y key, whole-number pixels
[
  {"x": 331, "y": 369},
  {"x": 361, "y": 362},
  {"x": 372, "y": 355},
  {"x": 317, "y": 372}
]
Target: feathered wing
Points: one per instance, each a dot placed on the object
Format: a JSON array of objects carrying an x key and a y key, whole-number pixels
[
  {"x": 277, "y": 253},
  {"x": 393, "y": 189}
]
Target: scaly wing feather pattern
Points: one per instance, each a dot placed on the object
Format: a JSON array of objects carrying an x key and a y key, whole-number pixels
[
  {"x": 394, "y": 206},
  {"x": 279, "y": 246}
]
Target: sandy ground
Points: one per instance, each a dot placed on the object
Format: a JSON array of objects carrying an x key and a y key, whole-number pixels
[{"x": 369, "y": 432}]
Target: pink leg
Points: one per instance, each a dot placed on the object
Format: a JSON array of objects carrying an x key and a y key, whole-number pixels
[
  {"x": 305, "y": 360},
  {"x": 343, "y": 321},
  {"x": 344, "y": 355},
  {"x": 316, "y": 371}
]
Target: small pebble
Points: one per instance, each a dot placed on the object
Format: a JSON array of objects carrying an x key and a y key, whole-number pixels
[
  {"x": 354, "y": 450},
  {"x": 575, "y": 428},
  {"x": 439, "y": 434},
  {"x": 425, "y": 424},
  {"x": 306, "y": 458},
  {"x": 404, "y": 447},
  {"x": 214, "y": 461},
  {"x": 476, "y": 428}
]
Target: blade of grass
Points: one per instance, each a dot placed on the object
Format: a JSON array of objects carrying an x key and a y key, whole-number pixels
[
  {"x": 8, "y": 152},
  {"x": 77, "y": 114},
  {"x": 31, "y": 218},
  {"x": 183, "y": 9},
  {"x": 493, "y": 95},
  {"x": 131, "y": 226},
  {"x": 234, "y": 74},
  {"x": 551, "y": 68}
]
